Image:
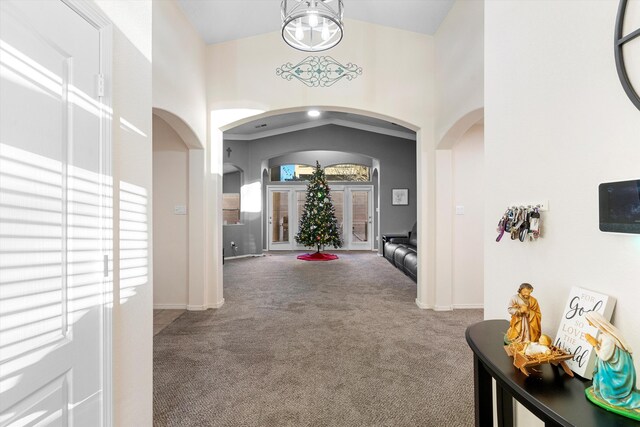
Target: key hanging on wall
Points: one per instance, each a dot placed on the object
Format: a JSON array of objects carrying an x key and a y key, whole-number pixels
[
  {"x": 534, "y": 228},
  {"x": 521, "y": 223}
]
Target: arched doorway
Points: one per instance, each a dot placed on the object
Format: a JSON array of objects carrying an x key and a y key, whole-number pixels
[
  {"x": 225, "y": 119},
  {"x": 188, "y": 206},
  {"x": 459, "y": 237}
]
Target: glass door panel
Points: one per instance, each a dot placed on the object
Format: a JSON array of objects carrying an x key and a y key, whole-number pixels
[
  {"x": 301, "y": 198},
  {"x": 359, "y": 226},
  {"x": 360, "y": 209},
  {"x": 337, "y": 198},
  {"x": 279, "y": 217}
]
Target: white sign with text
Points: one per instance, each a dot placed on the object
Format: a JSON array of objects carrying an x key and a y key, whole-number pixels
[{"x": 574, "y": 327}]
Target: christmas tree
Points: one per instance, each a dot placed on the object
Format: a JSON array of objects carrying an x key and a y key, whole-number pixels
[{"x": 318, "y": 225}]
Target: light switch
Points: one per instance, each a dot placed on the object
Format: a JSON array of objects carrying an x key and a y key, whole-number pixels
[
  {"x": 179, "y": 210},
  {"x": 459, "y": 210}
]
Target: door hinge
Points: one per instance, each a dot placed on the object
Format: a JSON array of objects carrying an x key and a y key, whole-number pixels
[
  {"x": 106, "y": 265},
  {"x": 100, "y": 84}
]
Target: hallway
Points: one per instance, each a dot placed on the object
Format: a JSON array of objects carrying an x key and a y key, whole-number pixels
[{"x": 315, "y": 343}]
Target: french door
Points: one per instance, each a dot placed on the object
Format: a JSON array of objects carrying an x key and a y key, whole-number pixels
[
  {"x": 353, "y": 208},
  {"x": 280, "y": 218},
  {"x": 359, "y": 214}
]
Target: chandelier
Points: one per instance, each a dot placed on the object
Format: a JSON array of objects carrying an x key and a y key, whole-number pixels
[{"x": 312, "y": 25}]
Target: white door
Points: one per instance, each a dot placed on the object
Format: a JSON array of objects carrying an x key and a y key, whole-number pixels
[
  {"x": 300, "y": 197},
  {"x": 353, "y": 208},
  {"x": 51, "y": 217},
  {"x": 359, "y": 218},
  {"x": 279, "y": 220}
]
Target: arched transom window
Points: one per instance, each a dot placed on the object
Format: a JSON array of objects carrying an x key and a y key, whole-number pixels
[{"x": 344, "y": 172}]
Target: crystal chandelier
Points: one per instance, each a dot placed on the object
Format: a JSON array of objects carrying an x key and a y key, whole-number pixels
[{"x": 312, "y": 25}]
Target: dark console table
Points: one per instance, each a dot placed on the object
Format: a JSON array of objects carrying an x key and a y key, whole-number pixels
[{"x": 554, "y": 397}]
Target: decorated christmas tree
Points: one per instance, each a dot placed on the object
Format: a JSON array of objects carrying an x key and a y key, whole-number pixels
[{"x": 318, "y": 225}]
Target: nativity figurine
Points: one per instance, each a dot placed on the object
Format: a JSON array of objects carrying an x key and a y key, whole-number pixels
[
  {"x": 614, "y": 376},
  {"x": 543, "y": 346},
  {"x": 526, "y": 318}
]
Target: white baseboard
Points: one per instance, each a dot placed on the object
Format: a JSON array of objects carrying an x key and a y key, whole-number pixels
[
  {"x": 449, "y": 307},
  {"x": 205, "y": 307},
  {"x": 169, "y": 306},
  {"x": 218, "y": 304},
  {"x": 244, "y": 256},
  {"x": 423, "y": 306},
  {"x": 467, "y": 306}
]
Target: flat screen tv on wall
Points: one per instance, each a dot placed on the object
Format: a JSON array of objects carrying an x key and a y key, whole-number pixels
[{"x": 620, "y": 206}]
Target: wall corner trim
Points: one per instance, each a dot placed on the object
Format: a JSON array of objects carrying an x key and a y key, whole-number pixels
[
  {"x": 423, "y": 306},
  {"x": 216, "y": 305}
]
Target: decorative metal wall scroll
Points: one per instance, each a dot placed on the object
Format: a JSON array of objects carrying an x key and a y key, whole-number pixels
[
  {"x": 619, "y": 42},
  {"x": 521, "y": 223},
  {"x": 319, "y": 71}
]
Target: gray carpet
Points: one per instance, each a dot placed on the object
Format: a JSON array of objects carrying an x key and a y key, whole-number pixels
[{"x": 300, "y": 343}]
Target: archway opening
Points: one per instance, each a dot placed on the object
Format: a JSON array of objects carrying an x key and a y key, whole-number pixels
[
  {"x": 179, "y": 214},
  {"x": 170, "y": 217},
  {"x": 384, "y": 172},
  {"x": 460, "y": 214}
]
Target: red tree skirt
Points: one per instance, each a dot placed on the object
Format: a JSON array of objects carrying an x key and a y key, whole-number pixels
[{"x": 318, "y": 256}]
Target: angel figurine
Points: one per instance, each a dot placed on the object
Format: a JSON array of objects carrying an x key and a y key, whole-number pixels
[{"x": 614, "y": 376}]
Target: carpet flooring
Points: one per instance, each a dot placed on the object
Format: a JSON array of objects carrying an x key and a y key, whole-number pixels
[{"x": 298, "y": 343}]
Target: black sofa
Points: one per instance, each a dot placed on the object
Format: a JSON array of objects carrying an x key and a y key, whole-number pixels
[{"x": 402, "y": 252}]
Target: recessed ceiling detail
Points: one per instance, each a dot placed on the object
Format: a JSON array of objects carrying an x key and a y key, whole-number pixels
[{"x": 319, "y": 71}]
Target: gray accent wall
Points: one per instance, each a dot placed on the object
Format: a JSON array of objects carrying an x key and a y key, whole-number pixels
[
  {"x": 231, "y": 182},
  {"x": 393, "y": 160}
]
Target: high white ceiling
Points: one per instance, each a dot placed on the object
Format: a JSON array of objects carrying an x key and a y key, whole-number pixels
[{"x": 222, "y": 20}]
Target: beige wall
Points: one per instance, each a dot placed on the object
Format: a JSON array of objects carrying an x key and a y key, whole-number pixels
[
  {"x": 459, "y": 238},
  {"x": 459, "y": 50},
  {"x": 179, "y": 70},
  {"x": 170, "y": 231},
  {"x": 397, "y": 82},
  {"x": 468, "y": 243},
  {"x": 459, "y": 74},
  {"x": 554, "y": 103},
  {"x": 132, "y": 178},
  {"x": 179, "y": 98}
]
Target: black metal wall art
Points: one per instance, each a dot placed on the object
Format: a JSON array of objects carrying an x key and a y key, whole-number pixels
[{"x": 619, "y": 42}]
